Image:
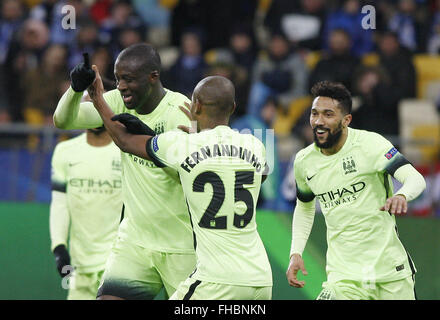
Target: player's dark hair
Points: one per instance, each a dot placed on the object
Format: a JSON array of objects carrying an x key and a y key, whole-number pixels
[
  {"x": 336, "y": 91},
  {"x": 144, "y": 53}
]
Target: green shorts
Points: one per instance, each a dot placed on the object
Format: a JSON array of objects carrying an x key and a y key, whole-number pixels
[
  {"x": 352, "y": 290},
  {"x": 136, "y": 273},
  {"x": 84, "y": 286},
  {"x": 192, "y": 289}
]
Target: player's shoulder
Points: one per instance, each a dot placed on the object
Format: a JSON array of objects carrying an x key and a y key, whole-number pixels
[
  {"x": 72, "y": 143},
  {"x": 305, "y": 153},
  {"x": 175, "y": 99},
  {"x": 368, "y": 138}
]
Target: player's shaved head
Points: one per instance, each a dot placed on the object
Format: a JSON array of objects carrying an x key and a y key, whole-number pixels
[
  {"x": 144, "y": 55},
  {"x": 217, "y": 94}
]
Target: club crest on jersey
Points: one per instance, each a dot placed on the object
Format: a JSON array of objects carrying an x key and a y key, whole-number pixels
[
  {"x": 159, "y": 127},
  {"x": 391, "y": 153},
  {"x": 349, "y": 165}
]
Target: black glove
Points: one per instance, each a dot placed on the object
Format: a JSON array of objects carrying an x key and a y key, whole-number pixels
[
  {"x": 133, "y": 124},
  {"x": 62, "y": 258},
  {"x": 82, "y": 75}
]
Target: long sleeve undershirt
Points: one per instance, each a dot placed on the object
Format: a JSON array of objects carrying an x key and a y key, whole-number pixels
[
  {"x": 71, "y": 113},
  {"x": 59, "y": 219}
]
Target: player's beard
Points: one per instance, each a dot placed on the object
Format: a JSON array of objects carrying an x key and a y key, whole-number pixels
[{"x": 332, "y": 138}]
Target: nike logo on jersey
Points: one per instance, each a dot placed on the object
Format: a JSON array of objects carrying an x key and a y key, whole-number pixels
[{"x": 308, "y": 179}]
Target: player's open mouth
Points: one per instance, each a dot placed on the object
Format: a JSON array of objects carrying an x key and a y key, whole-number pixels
[
  {"x": 127, "y": 98},
  {"x": 320, "y": 132}
]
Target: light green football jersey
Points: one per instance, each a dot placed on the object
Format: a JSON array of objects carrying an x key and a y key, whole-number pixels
[
  {"x": 155, "y": 214},
  {"x": 221, "y": 172},
  {"x": 351, "y": 186},
  {"x": 91, "y": 178}
]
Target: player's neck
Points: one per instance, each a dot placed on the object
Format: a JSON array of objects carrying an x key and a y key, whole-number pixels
[
  {"x": 98, "y": 140},
  {"x": 212, "y": 123},
  {"x": 154, "y": 100},
  {"x": 338, "y": 145}
]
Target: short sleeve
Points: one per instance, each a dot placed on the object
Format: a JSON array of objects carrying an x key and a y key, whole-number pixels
[
  {"x": 387, "y": 157},
  {"x": 166, "y": 149},
  {"x": 303, "y": 192},
  {"x": 58, "y": 173}
]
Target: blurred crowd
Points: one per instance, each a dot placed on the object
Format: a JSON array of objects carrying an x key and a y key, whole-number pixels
[
  {"x": 263, "y": 46},
  {"x": 273, "y": 51}
]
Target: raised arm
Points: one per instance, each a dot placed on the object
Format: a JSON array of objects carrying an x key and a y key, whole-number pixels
[
  {"x": 126, "y": 141},
  {"x": 70, "y": 112}
]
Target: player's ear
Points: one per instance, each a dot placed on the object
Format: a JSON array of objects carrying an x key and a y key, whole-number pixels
[
  {"x": 233, "y": 108},
  {"x": 347, "y": 119},
  {"x": 198, "y": 106},
  {"x": 154, "y": 76}
]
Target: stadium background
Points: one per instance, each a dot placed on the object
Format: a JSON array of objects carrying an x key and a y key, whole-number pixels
[{"x": 273, "y": 50}]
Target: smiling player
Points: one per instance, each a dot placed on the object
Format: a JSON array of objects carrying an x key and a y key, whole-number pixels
[
  {"x": 349, "y": 171},
  {"x": 154, "y": 248}
]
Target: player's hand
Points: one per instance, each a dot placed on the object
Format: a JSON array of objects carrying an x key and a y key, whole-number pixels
[
  {"x": 186, "y": 110},
  {"x": 82, "y": 75},
  {"x": 62, "y": 258},
  {"x": 133, "y": 124},
  {"x": 396, "y": 205},
  {"x": 296, "y": 264},
  {"x": 96, "y": 89}
]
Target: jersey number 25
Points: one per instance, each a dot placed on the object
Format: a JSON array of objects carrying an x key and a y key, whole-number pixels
[{"x": 209, "y": 220}]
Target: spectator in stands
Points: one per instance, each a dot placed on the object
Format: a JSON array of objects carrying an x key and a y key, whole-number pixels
[
  {"x": 41, "y": 86},
  {"x": 378, "y": 102},
  {"x": 225, "y": 67},
  {"x": 280, "y": 73},
  {"x": 243, "y": 48},
  {"x": 103, "y": 59},
  {"x": 11, "y": 20},
  {"x": 349, "y": 18},
  {"x": 123, "y": 17},
  {"x": 100, "y": 10},
  {"x": 433, "y": 46},
  {"x": 244, "y": 53},
  {"x": 44, "y": 11},
  {"x": 216, "y": 18},
  {"x": 24, "y": 54},
  {"x": 303, "y": 22},
  {"x": 86, "y": 40},
  {"x": 403, "y": 23},
  {"x": 397, "y": 61},
  {"x": 336, "y": 65},
  {"x": 190, "y": 66},
  {"x": 127, "y": 37}
]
